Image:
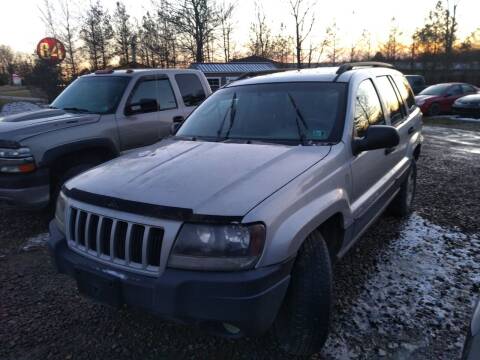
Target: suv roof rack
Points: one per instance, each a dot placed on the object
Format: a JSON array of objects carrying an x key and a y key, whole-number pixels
[
  {"x": 259, "y": 73},
  {"x": 350, "y": 66}
]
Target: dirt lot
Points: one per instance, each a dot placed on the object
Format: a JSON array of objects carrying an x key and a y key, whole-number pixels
[{"x": 405, "y": 291}]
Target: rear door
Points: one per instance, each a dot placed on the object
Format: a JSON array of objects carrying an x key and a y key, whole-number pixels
[
  {"x": 369, "y": 167},
  {"x": 147, "y": 126},
  {"x": 404, "y": 116},
  {"x": 191, "y": 90}
]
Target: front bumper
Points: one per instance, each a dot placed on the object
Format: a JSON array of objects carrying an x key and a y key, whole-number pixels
[
  {"x": 248, "y": 300},
  {"x": 25, "y": 191}
]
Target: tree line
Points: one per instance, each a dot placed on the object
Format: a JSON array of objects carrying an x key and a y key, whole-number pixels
[{"x": 176, "y": 33}]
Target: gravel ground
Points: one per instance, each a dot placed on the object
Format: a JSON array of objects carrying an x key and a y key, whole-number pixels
[{"x": 406, "y": 291}]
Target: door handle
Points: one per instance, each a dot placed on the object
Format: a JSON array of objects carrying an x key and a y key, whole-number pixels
[
  {"x": 178, "y": 119},
  {"x": 389, "y": 150},
  {"x": 411, "y": 130}
]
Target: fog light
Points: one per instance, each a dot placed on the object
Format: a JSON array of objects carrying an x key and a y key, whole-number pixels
[{"x": 232, "y": 329}]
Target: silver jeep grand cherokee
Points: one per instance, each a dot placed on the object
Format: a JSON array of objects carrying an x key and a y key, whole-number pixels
[{"x": 233, "y": 223}]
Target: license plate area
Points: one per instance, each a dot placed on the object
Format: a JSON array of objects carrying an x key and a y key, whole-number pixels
[{"x": 103, "y": 288}]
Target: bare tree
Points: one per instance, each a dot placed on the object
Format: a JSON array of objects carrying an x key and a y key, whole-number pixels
[
  {"x": 392, "y": 48},
  {"x": 69, "y": 37},
  {"x": 47, "y": 15},
  {"x": 301, "y": 10},
  {"x": 97, "y": 33},
  {"x": 261, "y": 40},
  {"x": 196, "y": 21},
  {"x": 225, "y": 13},
  {"x": 123, "y": 33},
  {"x": 331, "y": 37}
]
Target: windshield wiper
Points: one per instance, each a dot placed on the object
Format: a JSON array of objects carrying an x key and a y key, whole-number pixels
[
  {"x": 232, "y": 116},
  {"x": 76, "y": 109},
  {"x": 299, "y": 119}
]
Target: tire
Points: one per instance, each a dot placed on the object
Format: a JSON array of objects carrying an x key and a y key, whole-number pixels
[
  {"x": 434, "y": 109},
  {"x": 402, "y": 204},
  {"x": 302, "y": 325},
  {"x": 67, "y": 175}
]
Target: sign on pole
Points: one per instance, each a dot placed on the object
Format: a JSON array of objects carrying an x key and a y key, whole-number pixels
[{"x": 51, "y": 49}]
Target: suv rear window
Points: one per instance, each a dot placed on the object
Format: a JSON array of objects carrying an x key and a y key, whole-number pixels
[
  {"x": 394, "y": 105},
  {"x": 191, "y": 89},
  {"x": 405, "y": 91}
]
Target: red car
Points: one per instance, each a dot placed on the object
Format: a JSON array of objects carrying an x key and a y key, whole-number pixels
[{"x": 438, "y": 99}]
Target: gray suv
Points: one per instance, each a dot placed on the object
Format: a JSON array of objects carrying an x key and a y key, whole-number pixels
[
  {"x": 96, "y": 118},
  {"x": 234, "y": 222}
]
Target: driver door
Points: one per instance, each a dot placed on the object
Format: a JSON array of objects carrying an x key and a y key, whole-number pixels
[{"x": 146, "y": 126}]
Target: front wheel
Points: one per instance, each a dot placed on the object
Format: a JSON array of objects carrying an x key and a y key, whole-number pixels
[
  {"x": 402, "y": 204},
  {"x": 434, "y": 109},
  {"x": 302, "y": 325}
]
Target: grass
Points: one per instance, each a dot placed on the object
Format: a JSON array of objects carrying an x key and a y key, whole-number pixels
[
  {"x": 446, "y": 121},
  {"x": 20, "y": 91}
]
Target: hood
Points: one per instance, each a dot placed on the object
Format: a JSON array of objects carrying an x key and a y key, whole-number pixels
[
  {"x": 224, "y": 179},
  {"x": 424, "y": 97},
  {"x": 21, "y": 126}
]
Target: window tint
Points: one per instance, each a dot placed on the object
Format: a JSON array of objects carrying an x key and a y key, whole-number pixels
[
  {"x": 191, "y": 89},
  {"x": 368, "y": 110},
  {"x": 155, "y": 89},
  {"x": 394, "y": 106},
  {"x": 467, "y": 89},
  {"x": 405, "y": 90},
  {"x": 455, "y": 90}
]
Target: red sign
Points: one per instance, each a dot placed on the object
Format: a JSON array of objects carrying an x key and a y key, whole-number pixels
[{"x": 51, "y": 49}]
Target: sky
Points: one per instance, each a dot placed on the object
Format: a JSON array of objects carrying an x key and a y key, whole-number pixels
[{"x": 21, "y": 27}]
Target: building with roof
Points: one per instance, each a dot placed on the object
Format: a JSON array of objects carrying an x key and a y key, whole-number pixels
[{"x": 220, "y": 74}]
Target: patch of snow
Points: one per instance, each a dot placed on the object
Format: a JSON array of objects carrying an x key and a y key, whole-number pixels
[
  {"x": 36, "y": 242},
  {"x": 18, "y": 107}
]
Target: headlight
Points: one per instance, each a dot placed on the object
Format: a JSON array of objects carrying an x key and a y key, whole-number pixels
[
  {"x": 217, "y": 247},
  {"x": 60, "y": 212},
  {"x": 15, "y": 153},
  {"x": 14, "y": 161}
]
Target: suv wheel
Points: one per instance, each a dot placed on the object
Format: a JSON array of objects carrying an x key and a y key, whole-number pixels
[
  {"x": 402, "y": 203},
  {"x": 301, "y": 327}
]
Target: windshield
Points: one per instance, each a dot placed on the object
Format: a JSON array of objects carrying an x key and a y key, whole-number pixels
[
  {"x": 440, "y": 89},
  {"x": 92, "y": 94},
  {"x": 283, "y": 112}
]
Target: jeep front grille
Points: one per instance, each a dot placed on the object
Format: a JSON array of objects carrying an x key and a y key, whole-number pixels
[{"x": 118, "y": 242}]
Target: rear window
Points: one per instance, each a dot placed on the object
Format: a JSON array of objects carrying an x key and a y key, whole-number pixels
[
  {"x": 191, "y": 89},
  {"x": 405, "y": 91},
  {"x": 388, "y": 94}
]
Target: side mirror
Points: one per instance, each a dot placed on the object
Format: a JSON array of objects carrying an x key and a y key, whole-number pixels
[
  {"x": 143, "y": 106},
  {"x": 177, "y": 122},
  {"x": 376, "y": 137}
]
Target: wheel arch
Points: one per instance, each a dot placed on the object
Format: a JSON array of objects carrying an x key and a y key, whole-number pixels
[{"x": 324, "y": 213}]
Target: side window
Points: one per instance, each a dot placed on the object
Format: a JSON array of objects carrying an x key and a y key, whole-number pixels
[
  {"x": 368, "y": 110},
  {"x": 454, "y": 90},
  {"x": 191, "y": 89},
  {"x": 405, "y": 91},
  {"x": 467, "y": 89},
  {"x": 394, "y": 105},
  {"x": 155, "y": 89}
]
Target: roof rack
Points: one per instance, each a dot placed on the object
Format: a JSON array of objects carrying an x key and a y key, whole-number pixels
[
  {"x": 104, "y": 72},
  {"x": 259, "y": 73},
  {"x": 350, "y": 66}
]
